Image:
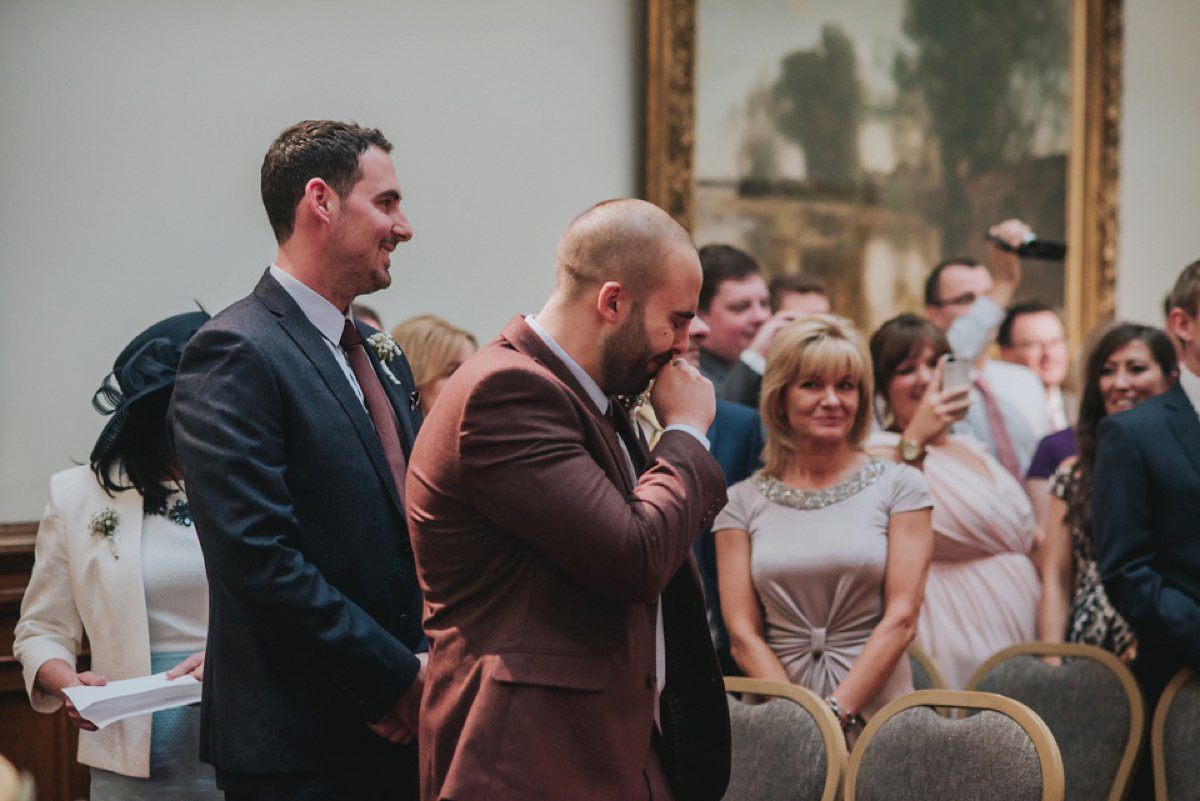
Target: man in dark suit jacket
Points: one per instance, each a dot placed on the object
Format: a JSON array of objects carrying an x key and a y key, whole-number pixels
[
  {"x": 569, "y": 654},
  {"x": 311, "y": 681},
  {"x": 1146, "y": 509}
]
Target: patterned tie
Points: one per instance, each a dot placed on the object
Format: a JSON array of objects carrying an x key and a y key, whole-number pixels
[
  {"x": 1005, "y": 453},
  {"x": 377, "y": 403}
]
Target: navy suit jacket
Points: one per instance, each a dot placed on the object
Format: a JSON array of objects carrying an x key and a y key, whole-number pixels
[
  {"x": 1146, "y": 519},
  {"x": 736, "y": 440},
  {"x": 314, "y": 608}
]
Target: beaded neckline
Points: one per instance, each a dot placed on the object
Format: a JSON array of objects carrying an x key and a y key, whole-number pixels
[{"x": 776, "y": 491}]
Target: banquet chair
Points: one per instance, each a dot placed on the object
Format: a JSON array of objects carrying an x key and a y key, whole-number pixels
[
  {"x": 1091, "y": 702},
  {"x": 1175, "y": 739},
  {"x": 1000, "y": 752},
  {"x": 925, "y": 672},
  {"x": 788, "y": 747}
]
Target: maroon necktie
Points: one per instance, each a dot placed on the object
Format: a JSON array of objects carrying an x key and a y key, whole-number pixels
[
  {"x": 1005, "y": 452},
  {"x": 378, "y": 406}
]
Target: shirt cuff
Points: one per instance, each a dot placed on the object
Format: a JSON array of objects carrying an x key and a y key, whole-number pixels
[
  {"x": 695, "y": 432},
  {"x": 754, "y": 360}
]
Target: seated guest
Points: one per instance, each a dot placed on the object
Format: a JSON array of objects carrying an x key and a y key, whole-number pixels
[
  {"x": 982, "y": 590},
  {"x": 822, "y": 555},
  {"x": 1032, "y": 335},
  {"x": 803, "y": 294},
  {"x": 967, "y": 300},
  {"x": 1127, "y": 364},
  {"x": 117, "y": 560},
  {"x": 435, "y": 349},
  {"x": 734, "y": 305}
]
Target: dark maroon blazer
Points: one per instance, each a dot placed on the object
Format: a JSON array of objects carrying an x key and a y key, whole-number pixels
[{"x": 542, "y": 565}]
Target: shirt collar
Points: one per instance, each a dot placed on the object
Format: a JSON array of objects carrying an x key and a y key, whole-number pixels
[
  {"x": 1191, "y": 386},
  {"x": 320, "y": 312},
  {"x": 586, "y": 381}
]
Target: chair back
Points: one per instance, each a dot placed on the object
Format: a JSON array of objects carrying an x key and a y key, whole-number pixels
[
  {"x": 1091, "y": 702},
  {"x": 787, "y": 748},
  {"x": 1175, "y": 739},
  {"x": 908, "y": 752},
  {"x": 925, "y": 672}
]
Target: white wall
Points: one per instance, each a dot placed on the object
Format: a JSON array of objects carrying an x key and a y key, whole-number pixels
[
  {"x": 133, "y": 133},
  {"x": 1159, "y": 224}
]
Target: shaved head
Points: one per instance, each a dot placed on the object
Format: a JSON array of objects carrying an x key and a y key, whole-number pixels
[{"x": 617, "y": 240}]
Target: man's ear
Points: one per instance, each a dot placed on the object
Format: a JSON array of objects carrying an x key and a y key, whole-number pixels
[
  {"x": 612, "y": 302},
  {"x": 320, "y": 199}
]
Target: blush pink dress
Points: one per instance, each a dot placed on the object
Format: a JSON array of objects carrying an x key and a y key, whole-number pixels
[{"x": 982, "y": 592}]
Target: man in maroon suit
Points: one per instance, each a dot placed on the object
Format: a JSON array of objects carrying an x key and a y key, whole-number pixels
[{"x": 569, "y": 652}]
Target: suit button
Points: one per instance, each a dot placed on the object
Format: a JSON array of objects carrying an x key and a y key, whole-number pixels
[{"x": 652, "y": 681}]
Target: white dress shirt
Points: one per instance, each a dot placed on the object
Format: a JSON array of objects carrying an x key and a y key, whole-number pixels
[{"x": 1191, "y": 386}]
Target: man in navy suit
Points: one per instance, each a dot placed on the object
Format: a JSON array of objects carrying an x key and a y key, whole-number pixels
[
  {"x": 1146, "y": 509},
  {"x": 293, "y": 439}
]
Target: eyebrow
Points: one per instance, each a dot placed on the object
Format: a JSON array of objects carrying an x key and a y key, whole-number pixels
[{"x": 390, "y": 194}]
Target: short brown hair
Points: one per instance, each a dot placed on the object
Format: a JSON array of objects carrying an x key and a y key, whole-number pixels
[
  {"x": 818, "y": 344},
  {"x": 795, "y": 285},
  {"x": 1186, "y": 294},
  {"x": 322, "y": 149}
]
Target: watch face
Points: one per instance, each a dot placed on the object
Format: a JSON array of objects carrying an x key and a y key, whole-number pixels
[{"x": 909, "y": 450}]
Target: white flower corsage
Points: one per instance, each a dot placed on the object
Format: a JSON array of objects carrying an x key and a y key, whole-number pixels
[
  {"x": 104, "y": 523},
  {"x": 385, "y": 347}
]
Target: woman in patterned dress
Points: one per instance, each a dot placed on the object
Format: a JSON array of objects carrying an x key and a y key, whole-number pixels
[
  {"x": 822, "y": 555},
  {"x": 1128, "y": 364}
]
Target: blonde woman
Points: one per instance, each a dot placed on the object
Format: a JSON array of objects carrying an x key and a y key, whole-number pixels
[
  {"x": 822, "y": 555},
  {"x": 435, "y": 349}
]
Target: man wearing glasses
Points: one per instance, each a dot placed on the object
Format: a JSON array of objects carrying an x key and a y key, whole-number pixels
[{"x": 967, "y": 301}]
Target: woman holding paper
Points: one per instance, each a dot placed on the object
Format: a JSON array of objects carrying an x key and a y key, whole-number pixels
[{"x": 117, "y": 559}]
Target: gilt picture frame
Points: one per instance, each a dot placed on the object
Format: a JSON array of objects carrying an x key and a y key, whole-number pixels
[{"x": 726, "y": 144}]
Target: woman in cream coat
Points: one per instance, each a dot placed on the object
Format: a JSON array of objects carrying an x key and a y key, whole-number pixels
[{"x": 118, "y": 560}]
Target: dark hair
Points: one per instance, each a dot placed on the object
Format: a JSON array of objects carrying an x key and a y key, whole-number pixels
[
  {"x": 898, "y": 340},
  {"x": 142, "y": 450},
  {"x": 1091, "y": 405},
  {"x": 795, "y": 285},
  {"x": 722, "y": 263},
  {"x": 1004, "y": 332},
  {"x": 1186, "y": 294},
  {"x": 933, "y": 295},
  {"x": 312, "y": 149}
]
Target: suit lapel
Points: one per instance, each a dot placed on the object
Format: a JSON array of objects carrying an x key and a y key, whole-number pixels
[
  {"x": 310, "y": 342},
  {"x": 1183, "y": 422},
  {"x": 399, "y": 394},
  {"x": 525, "y": 340}
]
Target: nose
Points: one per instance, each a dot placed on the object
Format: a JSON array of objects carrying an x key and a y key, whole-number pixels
[
  {"x": 830, "y": 397},
  {"x": 762, "y": 313},
  {"x": 923, "y": 374},
  {"x": 401, "y": 230},
  {"x": 1121, "y": 378}
]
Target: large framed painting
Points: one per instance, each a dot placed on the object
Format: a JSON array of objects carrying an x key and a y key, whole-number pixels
[{"x": 863, "y": 141}]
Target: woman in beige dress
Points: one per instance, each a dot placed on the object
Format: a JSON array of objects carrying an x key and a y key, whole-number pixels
[{"x": 822, "y": 555}]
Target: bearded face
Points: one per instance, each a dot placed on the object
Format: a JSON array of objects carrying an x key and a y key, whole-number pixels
[{"x": 628, "y": 363}]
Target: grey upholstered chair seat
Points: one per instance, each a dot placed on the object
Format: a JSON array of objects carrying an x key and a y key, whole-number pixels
[
  {"x": 1090, "y": 703},
  {"x": 783, "y": 747},
  {"x": 1176, "y": 739},
  {"x": 909, "y": 752}
]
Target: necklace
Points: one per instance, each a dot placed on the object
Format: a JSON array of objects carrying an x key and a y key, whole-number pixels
[
  {"x": 179, "y": 513},
  {"x": 776, "y": 491}
]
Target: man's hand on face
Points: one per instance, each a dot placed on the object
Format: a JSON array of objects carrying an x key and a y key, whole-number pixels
[{"x": 681, "y": 396}]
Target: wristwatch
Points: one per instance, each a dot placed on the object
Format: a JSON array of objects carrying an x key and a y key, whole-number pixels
[{"x": 911, "y": 451}]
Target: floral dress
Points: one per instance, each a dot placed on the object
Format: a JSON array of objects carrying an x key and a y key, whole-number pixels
[{"x": 1093, "y": 620}]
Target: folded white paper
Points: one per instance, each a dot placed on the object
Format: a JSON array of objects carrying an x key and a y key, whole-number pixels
[{"x": 121, "y": 699}]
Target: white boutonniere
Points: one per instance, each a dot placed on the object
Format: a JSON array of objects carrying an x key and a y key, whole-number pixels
[
  {"x": 385, "y": 347},
  {"x": 104, "y": 523}
]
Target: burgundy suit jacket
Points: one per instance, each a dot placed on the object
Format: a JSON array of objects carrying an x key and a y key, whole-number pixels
[{"x": 542, "y": 565}]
